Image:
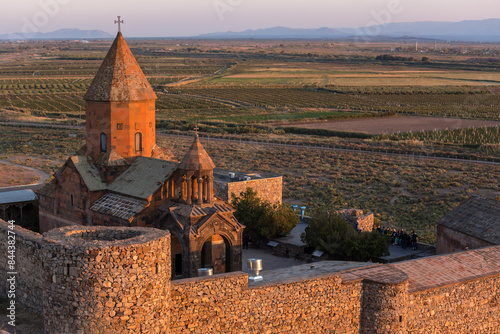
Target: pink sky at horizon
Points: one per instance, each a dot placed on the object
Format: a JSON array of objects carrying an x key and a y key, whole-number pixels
[{"x": 155, "y": 18}]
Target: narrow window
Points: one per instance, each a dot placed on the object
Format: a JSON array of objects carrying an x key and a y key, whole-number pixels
[
  {"x": 71, "y": 200},
  {"x": 103, "y": 142},
  {"x": 138, "y": 141}
]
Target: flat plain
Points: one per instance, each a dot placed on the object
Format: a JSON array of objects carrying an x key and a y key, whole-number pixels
[{"x": 436, "y": 101}]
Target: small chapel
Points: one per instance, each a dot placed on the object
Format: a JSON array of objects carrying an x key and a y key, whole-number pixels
[{"x": 120, "y": 177}]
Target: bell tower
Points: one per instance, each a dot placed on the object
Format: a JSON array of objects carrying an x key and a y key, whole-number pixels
[
  {"x": 196, "y": 177},
  {"x": 120, "y": 107}
]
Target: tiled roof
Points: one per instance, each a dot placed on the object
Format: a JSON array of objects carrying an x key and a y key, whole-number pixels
[
  {"x": 118, "y": 206},
  {"x": 163, "y": 154},
  {"x": 47, "y": 190},
  {"x": 196, "y": 158},
  {"x": 435, "y": 271},
  {"x": 119, "y": 78},
  {"x": 477, "y": 217},
  {"x": 111, "y": 158},
  {"x": 143, "y": 177},
  {"x": 194, "y": 210},
  {"x": 89, "y": 173}
]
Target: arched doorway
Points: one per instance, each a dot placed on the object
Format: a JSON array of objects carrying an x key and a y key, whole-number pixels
[{"x": 216, "y": 254}]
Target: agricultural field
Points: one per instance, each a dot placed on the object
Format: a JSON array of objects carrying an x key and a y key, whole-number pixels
[
  {"x": 265, "y": 90},
  {"x": 409, "y": 125},
  {"x": 402, "y": 192}
]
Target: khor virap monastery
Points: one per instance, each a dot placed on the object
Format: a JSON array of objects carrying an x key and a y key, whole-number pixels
[
  {"x": 117, "y": 278},
  {"x": 122, "y": 178}
]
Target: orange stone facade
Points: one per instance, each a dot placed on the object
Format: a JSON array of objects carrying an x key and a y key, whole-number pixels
[{"x": 128, "y": 128}]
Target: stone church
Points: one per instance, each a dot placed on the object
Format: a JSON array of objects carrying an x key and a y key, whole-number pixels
[{"x": 120, "y": 177}]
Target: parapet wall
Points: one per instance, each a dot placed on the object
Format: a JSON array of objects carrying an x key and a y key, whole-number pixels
[
  {"x": 106, "y": 280},
  {"x": 117, "y": 280},
  {"x": 225, "y": 304},
  {"x": 468, "y": 307},
  {"x": 28, "y": 264}
]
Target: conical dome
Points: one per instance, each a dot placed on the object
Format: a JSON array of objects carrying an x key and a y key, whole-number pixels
[
  {"x": 119, "y": 79},
  {"x": 196, "y": 159}
]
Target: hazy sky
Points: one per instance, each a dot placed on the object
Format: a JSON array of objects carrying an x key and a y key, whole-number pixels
[{"x": 192, "y": 17}]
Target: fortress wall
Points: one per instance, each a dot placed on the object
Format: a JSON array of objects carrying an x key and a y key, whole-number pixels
[
  {"x": 467, "y": 307},
  {"x": 106, "y": 280},
  {"x": 269, "y": 189},
  {"x": 117, "y": 280},
  {"x": 28, "y": 265},
  {"x": 225, "y": 304}
]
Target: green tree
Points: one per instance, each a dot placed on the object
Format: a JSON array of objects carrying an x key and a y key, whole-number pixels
[
  {"x": 262, "y": 219},
  {"x": 330, "y": 233}
]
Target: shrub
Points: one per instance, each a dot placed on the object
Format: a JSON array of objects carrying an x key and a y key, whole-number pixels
[
  {"x": 330, "y": 233},
  {"x": 262, "y": 219}
]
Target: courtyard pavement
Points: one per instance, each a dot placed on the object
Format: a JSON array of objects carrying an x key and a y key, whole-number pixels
[{"x": 269, "y": 261}]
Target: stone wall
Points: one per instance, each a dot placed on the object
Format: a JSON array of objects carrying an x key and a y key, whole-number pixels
[
  {"x": 117, "y": 280},
  {"x": 357, "y": 219},
  {"x": 225, "y": 304},
  {"x": 106, "y": 280},
  {"x": 449, "y": 241},
  {"x": 269, "y": 189},
  {"x": 468, "y": 307},
  {"x": 28, "y": 265}
]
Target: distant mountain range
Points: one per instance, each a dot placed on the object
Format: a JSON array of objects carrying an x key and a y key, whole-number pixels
[
  {"x": 470, "y": 31},
  {"x": 59, "y": 34},
  {"x": 473, "y": 31}
]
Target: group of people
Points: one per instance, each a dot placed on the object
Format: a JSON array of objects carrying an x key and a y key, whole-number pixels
[{"x": 400, "y": 237}]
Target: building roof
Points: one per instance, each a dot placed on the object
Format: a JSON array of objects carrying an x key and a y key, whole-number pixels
[
  {"x": 118, "y": 206},
  {"x": 119, "y": 79},
  {"x": 143, "y": 177},
  {"x": 89, "y": 173},
  {"x": 223, "y": 175},
  {"x": 436, "y": 271},
  {"x": 163, "y": 154},
  {"x": 477, "y": 217},
  {"x": 196, "y": 158},
  {"x": 111, "y": 158},
  {"x": 16, "y": 196}
]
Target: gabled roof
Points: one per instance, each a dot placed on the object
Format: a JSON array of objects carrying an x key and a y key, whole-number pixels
[
  {"x": 119, "y": 79},
  {"x": 163, "y": 154},
  {"x": 477, "y": 217},
  {"x": 196, "y": 158},
  {"x": 118, "y": 206},
  {"x": 143, "y": 177},
  {"x": 111, "y": 158},
  {"x": 89, "y": 173}
]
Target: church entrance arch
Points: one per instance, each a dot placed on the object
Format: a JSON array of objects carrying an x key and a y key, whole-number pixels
[{"x": 216, "y": 254}]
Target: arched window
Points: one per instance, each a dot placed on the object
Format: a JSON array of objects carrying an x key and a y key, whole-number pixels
[
  {"x": 138, "y": 141},
  {"x": 103, "y": 142}
]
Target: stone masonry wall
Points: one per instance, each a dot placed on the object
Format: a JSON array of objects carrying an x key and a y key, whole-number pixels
[
  {"x": 270, "y": 189},
  {"x": 106, "y": 280},
  {"x": 357, "y": 219},
  {"x": 468, "y": 307},
  {"x": 117, "y": 280},
  {"x": 224, "y": 304},
  {"x": 28, "y": 265},
  {"x": 449, "y": 241}
]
